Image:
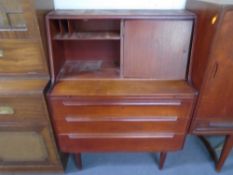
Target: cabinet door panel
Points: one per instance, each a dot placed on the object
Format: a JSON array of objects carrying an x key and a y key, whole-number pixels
[
  {"x": 29, "y": 145},
  {"x": 22, "y": 146},
  {"x": 216, "y": 98},
  {"x": 157, "y": 49}
]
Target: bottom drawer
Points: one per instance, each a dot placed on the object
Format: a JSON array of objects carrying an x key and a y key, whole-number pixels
[
  {"x": 212, "y": 127},
  {"x": 27, "y": 147},
  {"x": 120, "y": 142}
]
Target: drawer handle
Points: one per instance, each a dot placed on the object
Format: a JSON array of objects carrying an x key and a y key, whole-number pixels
[
  {"x": 6, "y": 110},
  {"x": 149, "y": 103},
  {"x": 221, "y": 125},
  {"x": 1, "y": 53},
  {"x": 120, "y": 135},
  {"x": 122, "y": 119}
]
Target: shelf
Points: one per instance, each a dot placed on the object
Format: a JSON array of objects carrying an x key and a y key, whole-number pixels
[
  {"x": 88, "y": 69},
  {"x": 88, "y": 36}
]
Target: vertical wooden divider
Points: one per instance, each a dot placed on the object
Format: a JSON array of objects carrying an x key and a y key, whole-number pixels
[{"x": 121, "y": 47}]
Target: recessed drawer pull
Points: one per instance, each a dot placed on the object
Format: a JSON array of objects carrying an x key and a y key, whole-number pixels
[
  {"x": 120, "y": 135},
  {"x": 6, "y": 110},
  {"x": 105, "y": 103},
  {"x": 1, "y": 53},
  {"x": 221, "y": 124},
  {"x": 122, "y": 119}
]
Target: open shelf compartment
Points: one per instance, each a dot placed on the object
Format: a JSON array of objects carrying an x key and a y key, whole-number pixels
[
  {"x": 86, "y": 49},
  {"x": 87, "y": 69},
  {"x": 86, "y": 29}
]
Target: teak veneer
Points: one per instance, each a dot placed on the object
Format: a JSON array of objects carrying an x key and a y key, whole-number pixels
[{"x": 120, "y": 80}]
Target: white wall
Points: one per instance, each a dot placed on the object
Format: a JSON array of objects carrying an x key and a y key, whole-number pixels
[{"x": 119, "y": 4}]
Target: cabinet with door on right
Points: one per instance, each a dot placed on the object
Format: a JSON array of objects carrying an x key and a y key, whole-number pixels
[{"x": 212, "y": 71}]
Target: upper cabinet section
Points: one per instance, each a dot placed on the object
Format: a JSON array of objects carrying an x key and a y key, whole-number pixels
[
  {"x": 120, "y": 44},
  {"x": 18, "y": 20},
  {"x": 21, "y": 51}
]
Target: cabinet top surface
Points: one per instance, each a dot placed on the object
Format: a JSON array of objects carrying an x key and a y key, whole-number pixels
[
  {"x": 145, "y": 88},
  {"x": 121, "y": 14}
]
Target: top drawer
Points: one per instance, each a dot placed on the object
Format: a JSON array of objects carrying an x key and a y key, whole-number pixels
[
  {"x": 96, "y": 110},
  {"x": 21, "y": 57}
]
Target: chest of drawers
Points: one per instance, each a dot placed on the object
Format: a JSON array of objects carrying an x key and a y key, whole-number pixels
[{"x": 116, "y": 83}]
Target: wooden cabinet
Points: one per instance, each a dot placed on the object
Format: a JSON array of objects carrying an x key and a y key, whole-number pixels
[
  {"x": 215, "y": 102},
  {"x": 120, "y": 80},
  {"x": 26, "y": 137},
  {"x": 213, "y": 69}
]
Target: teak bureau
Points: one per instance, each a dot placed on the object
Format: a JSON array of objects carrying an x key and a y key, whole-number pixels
[{"x": 120, "y": 80}]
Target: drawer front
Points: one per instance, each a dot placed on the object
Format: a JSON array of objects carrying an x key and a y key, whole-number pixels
[
  {"x": 120, "y": 142},
  {"x": 115, "y": 124},
  {"x": 99, "y": 111},
  {"x": 19, "y": 108},
  {"x": 21, "y": 57},
  {"x": 25, "y": 147},
  {"x": 212, "y": 126}
]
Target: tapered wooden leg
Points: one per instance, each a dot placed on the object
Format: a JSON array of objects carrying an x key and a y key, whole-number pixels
[
  {"x": 78, "y": 161},
  {"x": 228, "y": 144},
  {"x": 162, "y": 159}
]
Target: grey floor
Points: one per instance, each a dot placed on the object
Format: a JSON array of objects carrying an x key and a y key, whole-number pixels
[{"x": 192, "y": 160}]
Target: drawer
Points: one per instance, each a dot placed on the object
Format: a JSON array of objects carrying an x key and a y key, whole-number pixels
[
  {"x": 16, "y": 108},
  {"x": 97, "y": 110},
  {"x": 84, "y": 125},
  {"x": 212, "y": 127},
  {"x": 21, "y": 57},
  {"x": 120, "y": 142},
  {"x": 27, "y": 146}
]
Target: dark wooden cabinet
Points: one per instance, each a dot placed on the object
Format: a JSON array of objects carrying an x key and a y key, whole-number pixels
[
  {"x": 120, "y": 80},
  {"x": 212, "y": 69},
  {"x": 26, "y": 136}
]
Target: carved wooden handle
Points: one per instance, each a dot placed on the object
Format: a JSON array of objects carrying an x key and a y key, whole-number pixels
[{"x": 6, "y": 110}]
